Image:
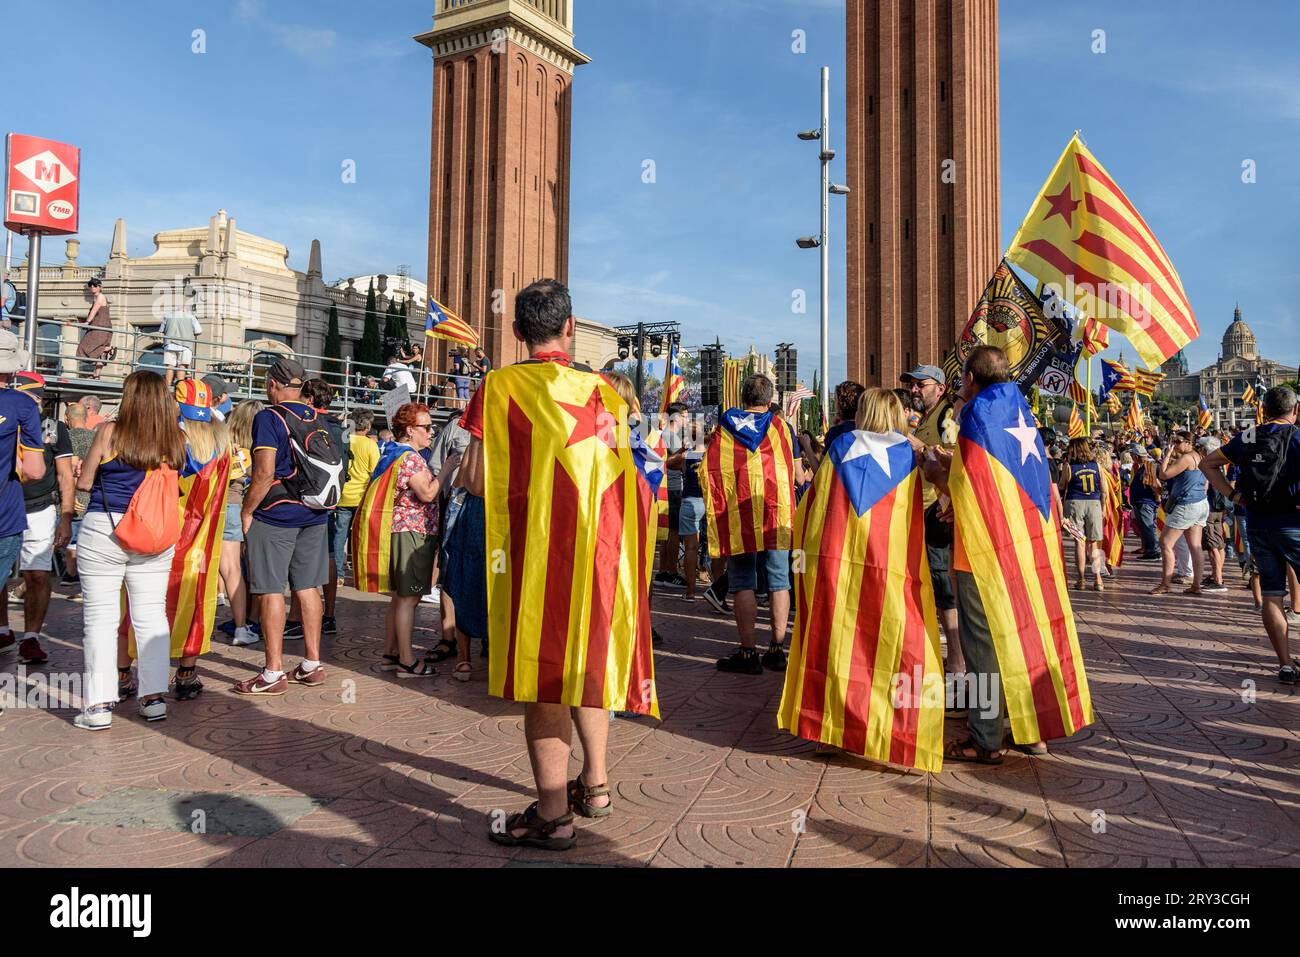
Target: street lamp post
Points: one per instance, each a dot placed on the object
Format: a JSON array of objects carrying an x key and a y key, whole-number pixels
[{"x": 822, "y": 241}]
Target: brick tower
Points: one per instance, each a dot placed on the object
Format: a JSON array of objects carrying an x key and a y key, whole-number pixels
[
  {"x": 923, "y": 223},
  {"x": 499, "y": 178}
]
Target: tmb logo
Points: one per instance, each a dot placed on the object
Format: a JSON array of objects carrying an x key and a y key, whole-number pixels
[{"x": 77, "y": 910}]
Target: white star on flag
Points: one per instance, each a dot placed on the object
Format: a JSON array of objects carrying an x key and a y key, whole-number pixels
[
  {"x": 875, "y": 445},
  {"x": 746, "y": 422},
  {"x": 1027, "y": 436}
]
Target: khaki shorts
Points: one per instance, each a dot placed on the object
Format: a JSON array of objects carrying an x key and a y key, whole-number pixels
[
  {"x": 1086, "y": 514},
  {"x": 413, "y": 557},
  {"x": 1214, "y": 535}
]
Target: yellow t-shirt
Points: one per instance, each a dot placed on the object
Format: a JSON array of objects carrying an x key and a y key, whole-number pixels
[
  {"x": 931, "y": 431},
  {"x": 363, "y": 456}
]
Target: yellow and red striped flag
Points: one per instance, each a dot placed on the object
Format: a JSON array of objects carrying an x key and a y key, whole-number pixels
[
  {"x": 1008, "y": 537},
  {"x": 1112, "y": 528},
  {"x": 1248, "y": 396},
  {"x": 864, "y": 672},
  {"x": 570, "y": 510},
  {"x": 733, "y": 376},
  {"x": 674, "y": 382},
  {"x": 1083, "y": 235},
  {"x": 193, "y": 579},
  {"x": 442, "y": 323},
  {"x": 372, "y": 526},
  {"x": 1096, "y": 337},
  {"x": 747, "y": 477},
  {"x": 1134, "y": 420},
  {"x": 1113, "y": 404},
  {"x": 1076, "y": 423},
  {"x": 1146, "y": 381}
]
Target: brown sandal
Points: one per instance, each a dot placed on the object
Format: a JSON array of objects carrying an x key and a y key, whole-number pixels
[
  {"x": 956, "y": 752},
  {"x": 1160, "y": 590},
  {"x": 539, "y": 834},
  {"x": 580, "y": 798}
]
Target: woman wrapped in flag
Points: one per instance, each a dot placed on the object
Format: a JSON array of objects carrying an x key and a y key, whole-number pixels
[
  {"x": 1112, "y": 509},
  {"x": 865, "y": 674},
  {"x": 394, "y": 534},
  {"x": 192, "y": 583}
]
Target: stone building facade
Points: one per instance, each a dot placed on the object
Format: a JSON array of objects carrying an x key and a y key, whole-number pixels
[
  {"x": 923, "y": 219},
  {"x": 1222, "y": 384}
]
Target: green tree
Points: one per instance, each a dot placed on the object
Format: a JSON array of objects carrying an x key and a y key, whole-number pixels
[
  {"x": 331, "y": 367},
  {"x": 370, "y": 350},
  {"x": 395, "y": 335}
]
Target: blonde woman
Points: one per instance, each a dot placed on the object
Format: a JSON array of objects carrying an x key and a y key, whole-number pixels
[{"x": 232, "y": 539}]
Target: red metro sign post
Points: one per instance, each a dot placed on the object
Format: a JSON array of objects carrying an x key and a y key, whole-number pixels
[{"x": 42, "y": 197}]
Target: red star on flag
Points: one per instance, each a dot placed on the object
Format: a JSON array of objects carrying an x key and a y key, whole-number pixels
[
  {"x": 592, "y": 421},
  {"x": 1063, "y": 205}
]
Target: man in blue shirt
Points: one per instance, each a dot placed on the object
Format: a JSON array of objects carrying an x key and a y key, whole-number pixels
[
  {"x": 288, "y": 542},
  {"x": 1272, "y": 519},
  {"x": 22, "y": 460}
]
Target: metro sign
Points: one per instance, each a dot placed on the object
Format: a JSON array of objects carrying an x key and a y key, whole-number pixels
[{"x": 41, "y": 192}]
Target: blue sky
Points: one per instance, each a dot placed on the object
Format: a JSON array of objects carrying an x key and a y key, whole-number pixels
[{"x": 712, "y": 92}]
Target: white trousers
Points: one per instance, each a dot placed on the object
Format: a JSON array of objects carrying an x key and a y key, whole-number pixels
[
  {"x": 103, "y": 566},
  {"x": 1183, "y": 557}
]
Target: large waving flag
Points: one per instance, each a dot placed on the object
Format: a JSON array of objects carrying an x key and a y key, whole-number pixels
[
  {"x": 569, "y": 511},
  {"x": 674, "y": 382},
  {"x": 864, "y": 671},
  {"x": 372, "y": 525},
  {"x": 1083, "y": 235},
  {"x": 748, "y": 481},
  {"x": 442, "y": 323},
  {"x": 1008, "y": 536},
  {"x": 193, "y": 579}
]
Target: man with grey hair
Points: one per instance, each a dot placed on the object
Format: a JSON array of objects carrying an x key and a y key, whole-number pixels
[{"x": 1268, "y": 487}]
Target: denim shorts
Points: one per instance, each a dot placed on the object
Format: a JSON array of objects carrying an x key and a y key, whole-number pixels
[
  {"x": 1273, "y": 549},
  {"x": 1188, "y": 514},
  {"x": 742, "y": 571},
  {"x": 234, "y": 530},
  {"x": 689, "y": 515},
  {"x": 10, "y": 547}
]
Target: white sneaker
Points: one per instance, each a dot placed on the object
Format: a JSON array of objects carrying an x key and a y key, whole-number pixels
[
  {"x": 433, "y": 598},
  {"x": 222, "y": 600},
  {"x": 245, "y": 636},
  {"x": 154, "y": 710},
  {"x": 94, "y": 719}
]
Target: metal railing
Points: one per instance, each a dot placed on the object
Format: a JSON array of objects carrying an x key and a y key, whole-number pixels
[{"x": 243, "y": 365}]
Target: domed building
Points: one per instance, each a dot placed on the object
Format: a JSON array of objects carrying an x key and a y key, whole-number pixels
[{"x": 1222, "y": 384}]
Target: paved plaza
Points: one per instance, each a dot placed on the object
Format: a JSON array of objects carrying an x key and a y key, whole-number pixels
[{"x": 1182, "y": 767}]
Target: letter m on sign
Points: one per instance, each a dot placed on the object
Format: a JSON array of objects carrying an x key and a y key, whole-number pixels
[{"x": 47, "y": 172}]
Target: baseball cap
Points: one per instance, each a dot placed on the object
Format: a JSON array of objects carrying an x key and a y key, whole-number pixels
[
  {"x": 285, "y": 371},
  {"x": 195, "y": 400},
  {"x": 218, "y": 386},
  {"x": 924, "y": 372},
  {"x": 12, "y": 354},
  {"x": 33, "y": 383}
]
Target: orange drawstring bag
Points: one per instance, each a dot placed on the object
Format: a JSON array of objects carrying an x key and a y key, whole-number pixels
[{"x": 152, "y": 521}]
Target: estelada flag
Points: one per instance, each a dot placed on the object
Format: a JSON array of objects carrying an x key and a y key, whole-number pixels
[
  {"x": 193, "y": 579},
  {"x": 569, "y": 541},
  {"x": 442, "y": 323},
  {"x": 1084, "y": 236},
  {"x": 1008, "y": 537},
  {"x": 674, "y": 383},
  {"x": 864, "y": 672},
  {"x": 1204, "y": 418},
  {"x": 1112, "y": 524},
  {"x": 371, "y": 540},
  {"x": 1115, "y": 376},
  {"x": 747, "y": 477}
]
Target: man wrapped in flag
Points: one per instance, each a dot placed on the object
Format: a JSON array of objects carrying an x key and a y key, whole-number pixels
[
  {"x": 747, "y": 477},
  {"x": 865, "y": 673},
  {"x": 1017, "y": 626},
  {"x": 193, "y": 580},
  {"x": 569, "y": 507}
]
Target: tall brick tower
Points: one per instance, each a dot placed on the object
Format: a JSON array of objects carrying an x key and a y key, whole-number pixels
[
  {"x": 499, "y": 178},
  {"x": 922, "y": 154}
]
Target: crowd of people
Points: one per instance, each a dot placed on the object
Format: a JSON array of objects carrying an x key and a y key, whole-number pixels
[{"x": 184, "y": 502}]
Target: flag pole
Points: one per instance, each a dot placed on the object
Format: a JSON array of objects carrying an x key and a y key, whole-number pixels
[{"x": 1087, "y": 411}]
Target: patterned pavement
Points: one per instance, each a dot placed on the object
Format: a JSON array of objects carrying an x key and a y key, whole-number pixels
[{"x": 1184, "y": 767}]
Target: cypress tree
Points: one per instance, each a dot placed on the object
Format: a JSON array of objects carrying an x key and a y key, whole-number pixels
[
  {"x": 331, "y": 367},
  {"x": 370, "y": 350}
]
